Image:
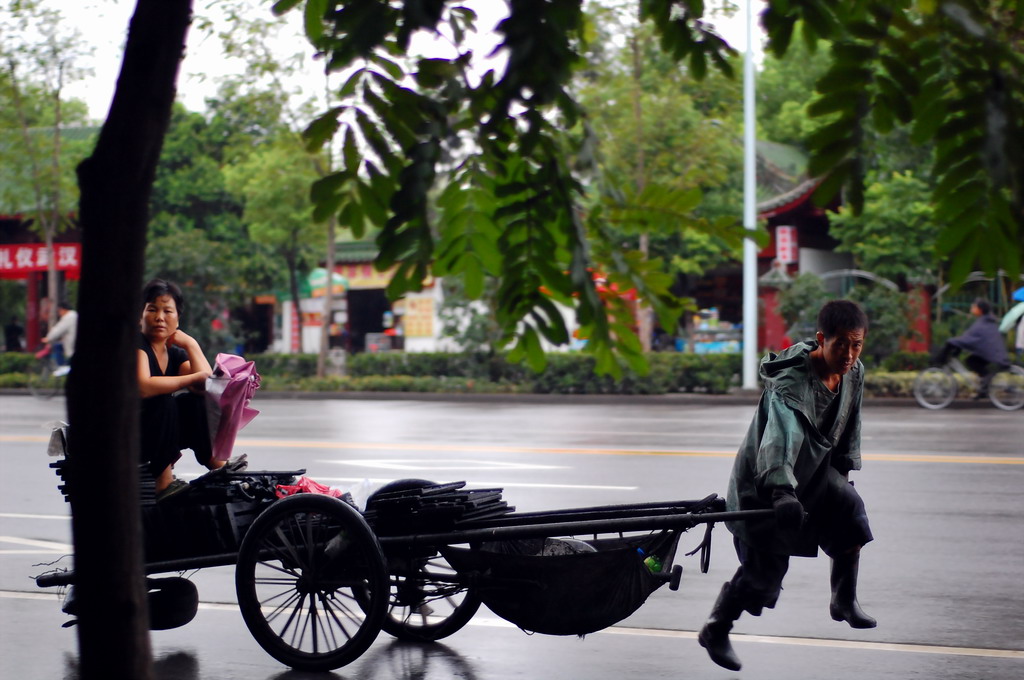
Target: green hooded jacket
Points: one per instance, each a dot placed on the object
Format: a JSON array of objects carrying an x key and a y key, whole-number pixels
[{"x": 800, "y": 429}]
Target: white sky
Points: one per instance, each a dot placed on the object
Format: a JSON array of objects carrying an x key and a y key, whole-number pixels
[{"x": 103, "y": 25}]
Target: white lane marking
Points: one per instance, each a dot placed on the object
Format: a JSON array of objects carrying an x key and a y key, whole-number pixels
[
  {"x": 33, "y": 552},
  {"x": 11, "y": 595},
  {"x": 22, "y": 515},
  {"x": 904, "y": 647},
  {"x": 441, "y": 464},
  {"x": 48, "y": 546},
  {"x": 485, "y": 484},
  {"x": 489, "y": 622}
]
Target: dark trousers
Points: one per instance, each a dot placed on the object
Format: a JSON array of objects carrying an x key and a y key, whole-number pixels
[
  {"x": 171, "y": 423},
  {"x": 840, "y": 523}
]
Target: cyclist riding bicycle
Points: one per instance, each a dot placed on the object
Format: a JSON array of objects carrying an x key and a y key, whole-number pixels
[
  {"x": 61, "y": 338},
  {"x": 984, "y": 342}
]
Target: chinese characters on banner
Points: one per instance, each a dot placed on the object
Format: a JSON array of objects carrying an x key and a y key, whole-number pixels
[
  {"x": 20, "y": 259},
  {"x": 786, "y": 247}
]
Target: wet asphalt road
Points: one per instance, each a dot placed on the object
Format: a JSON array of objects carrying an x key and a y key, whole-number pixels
[{"x": 943, "y": 576}]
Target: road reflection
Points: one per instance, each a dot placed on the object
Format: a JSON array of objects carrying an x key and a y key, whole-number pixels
[
  {"x": 394, "y": 661},
  {"x": 416, "y": 661},
  {"x": 171, "y": 666}
]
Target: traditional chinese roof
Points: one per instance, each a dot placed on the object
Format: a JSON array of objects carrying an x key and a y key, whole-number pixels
[
  {"x": 782, "y": 181},
  {"x": 349, "y": 252},
  {"x": 789, "y": 200}
]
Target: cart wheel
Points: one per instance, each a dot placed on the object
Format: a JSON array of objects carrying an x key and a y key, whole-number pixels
[
  {"x": 427, "y": 603},
  {"x": 1006, "y": 390},
  {"x": 677, "y": 576},
  {"x": 934, "y": 388},
  {"x": 311, "y": 582}
]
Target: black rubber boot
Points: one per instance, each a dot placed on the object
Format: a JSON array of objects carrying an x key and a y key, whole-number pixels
[
  {"x": 714, "y": 636},
  {"x": 844, "y": 606}
]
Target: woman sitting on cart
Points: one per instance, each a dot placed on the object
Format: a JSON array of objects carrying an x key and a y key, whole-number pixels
[{"x": 172, "y": 374}]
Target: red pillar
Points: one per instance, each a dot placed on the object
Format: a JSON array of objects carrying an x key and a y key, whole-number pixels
[
  {"x": 920, "y": 339},
  {"x": 774, "y": 326},
  {"x": 296, "y": 335}
]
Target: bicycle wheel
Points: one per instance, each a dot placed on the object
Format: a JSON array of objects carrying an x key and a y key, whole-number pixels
[
  {"x": 428, "y": 602},
  {"x": 1006, "y": 390},
  {"x": 43, "y": 384},
  {"x": 934, "y": 388},
  {"x": 311, "y": 582}
]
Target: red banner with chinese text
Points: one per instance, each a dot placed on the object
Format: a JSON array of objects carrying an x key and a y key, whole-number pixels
[{"x": 18, "y": 260}]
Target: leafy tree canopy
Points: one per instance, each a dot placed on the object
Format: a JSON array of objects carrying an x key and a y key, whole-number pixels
[
  {"x": 948, "y": 68},
  {"x": 658, "y": 126},
  {"x": 785, "y": 88},
  {"x": 273, "y": 183},
  {"x": 38, "y": 54},
  {"x": 894, "y": 236},
  {"x": 196, "y": 221},
  {"x": 951, "y": 70},
  {"x": 190, "y": 192},
  {"x": 517, "y": 147}
]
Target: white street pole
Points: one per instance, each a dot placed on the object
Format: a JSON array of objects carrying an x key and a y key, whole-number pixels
[{"x": 749, "y": 212}]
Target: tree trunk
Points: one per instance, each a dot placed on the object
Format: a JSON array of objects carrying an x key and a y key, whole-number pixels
[
  {"x": 44, "y": 224},
  {"x": 325, "y": 327},
  {"x": 52, "y": 224},
  {"x": 103, "y": 397},
  {"x": 293, "y": 288},
  {"x": 644, "y": 323}
]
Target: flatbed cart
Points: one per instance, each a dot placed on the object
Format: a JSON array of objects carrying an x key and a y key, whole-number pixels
[{"x": 317, "y": 579}]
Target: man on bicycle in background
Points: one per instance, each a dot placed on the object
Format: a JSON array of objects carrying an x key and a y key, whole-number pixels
[
  {"x": 61, "y": 337},
  {"x": 984, "y": 342}
]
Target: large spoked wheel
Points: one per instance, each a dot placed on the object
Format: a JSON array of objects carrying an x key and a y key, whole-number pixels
[
  {"x": 42, "y": 383},
  {"x": 311, "y": 582},
  {"x": 428, "y": 602},
  {"x": 934, "y": 388},
  {"x": 1006, "y": 390}
]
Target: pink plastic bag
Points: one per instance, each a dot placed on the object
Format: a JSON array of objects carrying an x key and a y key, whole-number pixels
[{"x": 228, "y": 393}]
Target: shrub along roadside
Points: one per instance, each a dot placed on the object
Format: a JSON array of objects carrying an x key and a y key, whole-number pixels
[
  {"x": 457, "y": 373},
  {"x": 16, "y": 362},
  {"x": 565, "y": 373}
]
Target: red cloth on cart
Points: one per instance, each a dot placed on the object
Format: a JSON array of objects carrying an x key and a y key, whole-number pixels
[{"x": 307, "y": 485}]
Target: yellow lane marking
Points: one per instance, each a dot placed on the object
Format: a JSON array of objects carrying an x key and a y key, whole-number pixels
[{"x": 492, "y": 448}]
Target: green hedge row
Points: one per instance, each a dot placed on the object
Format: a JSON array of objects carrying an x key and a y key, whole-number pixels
[
  {"x": 564, "y": 374},
  {"x": 17, "y": 362},
  {"x": 390, "y": 383},
  {"x": 904, "y": 361},
  {"x": 462, "y": 373},
  {"x": 286, "y": 365}
]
